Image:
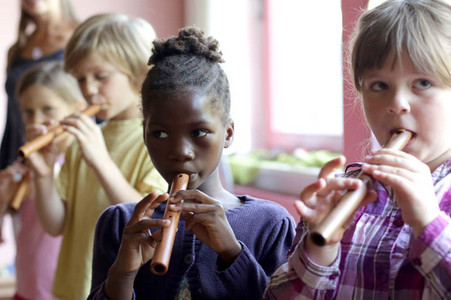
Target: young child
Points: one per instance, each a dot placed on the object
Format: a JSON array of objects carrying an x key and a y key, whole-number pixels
[
  {"x": 46, "y": 94},
  {"x": 226, "y": 246},
  {"x": 399, "y": 245},
  {"x": 107, "y": 54}
]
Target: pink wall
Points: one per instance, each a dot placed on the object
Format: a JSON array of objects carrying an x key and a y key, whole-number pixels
[{"x": 355, "y": 129}]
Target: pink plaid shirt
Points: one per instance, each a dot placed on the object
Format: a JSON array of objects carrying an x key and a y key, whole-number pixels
[{"x": 379, "y": 258}]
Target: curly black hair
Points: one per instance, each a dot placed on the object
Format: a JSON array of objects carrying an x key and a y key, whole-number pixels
[{"x": 187, "y": 62}]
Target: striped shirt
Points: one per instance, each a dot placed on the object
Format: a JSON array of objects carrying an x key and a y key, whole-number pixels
[{"x": 379, "y": 258}]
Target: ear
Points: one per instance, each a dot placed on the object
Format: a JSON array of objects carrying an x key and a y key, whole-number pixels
[{"x": 230, "y": 128}]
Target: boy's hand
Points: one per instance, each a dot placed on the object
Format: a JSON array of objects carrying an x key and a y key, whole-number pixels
[
  {"x": 207, "y": 219},
  {"x": 89, "y": 137},
  {"x": 412, "y": 183}
]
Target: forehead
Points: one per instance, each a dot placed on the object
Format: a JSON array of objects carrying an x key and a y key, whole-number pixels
[
  {"x": 39, "y": 95},
  {"x": 92, "y": 62},
  {"x": 181, "y": 107}
]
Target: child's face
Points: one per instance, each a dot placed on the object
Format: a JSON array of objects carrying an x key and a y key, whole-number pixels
[
  {"x": 102, "y": 83},
  {"x": 404, "y": 98},
  {"x": 184, "y": 134},
  {"x": 39, "y": 104},
  {"x": 39, "y": 7}
]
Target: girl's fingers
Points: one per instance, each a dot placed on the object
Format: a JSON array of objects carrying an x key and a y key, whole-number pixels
[
  {"x": 191, "y": 195},
  {"x": 141, "y": 207},
  {"x": 328, "y": 169},
  {"x": 195, "y": 208}
]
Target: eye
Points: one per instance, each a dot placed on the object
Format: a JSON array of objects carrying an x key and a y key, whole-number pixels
[
  {"x": 48, "y": 109},
  {"x": 378, "y": 86},
  {"x": 199, "y": 133},
  {"x": 422, "y": 84},
  {"x": 101, "y": 76},
  {"x": 160, "y": 134}
]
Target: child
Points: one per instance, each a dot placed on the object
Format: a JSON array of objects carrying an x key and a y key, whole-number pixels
[
  {"x": 43, "y": 31},
  {"x": 226, "y": 246},
  {"x": 46, "y": 94},
  {"x": 399, "y": 245},
  {"x": 109, "y": 165}
]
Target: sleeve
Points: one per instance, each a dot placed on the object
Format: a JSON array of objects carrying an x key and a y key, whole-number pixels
[
  {"x": 430, "y": 254},
  {"x": 247, "y": 277},
  {"x": 300, "y": 276},
  {"x": 107, "y": 240}
]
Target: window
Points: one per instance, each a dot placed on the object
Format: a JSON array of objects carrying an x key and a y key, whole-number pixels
[
  {"x": 283, "y": 61},
  {"x": 305, "y": 85}
]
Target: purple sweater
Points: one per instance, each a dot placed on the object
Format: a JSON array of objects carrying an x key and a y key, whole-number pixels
[{"x": 264, "y": 229}]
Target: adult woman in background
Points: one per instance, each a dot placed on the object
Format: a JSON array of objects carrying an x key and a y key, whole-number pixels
[{"x": 45, "y": 26}]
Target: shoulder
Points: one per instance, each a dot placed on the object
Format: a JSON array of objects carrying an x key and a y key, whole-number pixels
[
  {"x": 263, "y": 206},
  {"x": 261, "y": 211},
  {"x": 115, "y": 216}
]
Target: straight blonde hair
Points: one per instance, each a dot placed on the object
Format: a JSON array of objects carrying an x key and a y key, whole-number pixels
[
  {"x": 26, "y": 21},
  {"x": 124, "y": 42},
  {"x": 420, "y": 27},
  {"x": 51, "y": 75}
]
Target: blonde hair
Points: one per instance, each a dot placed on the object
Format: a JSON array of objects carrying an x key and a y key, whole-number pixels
[
  {"x": 51, "y": 75},
  {"x": 26, "y": 21},
  {"x": 420, "y": 27},
  {"x": 124, "y": 42}
]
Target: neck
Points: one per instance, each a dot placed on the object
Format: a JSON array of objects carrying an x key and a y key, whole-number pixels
[{"x": 214, "y": 189}]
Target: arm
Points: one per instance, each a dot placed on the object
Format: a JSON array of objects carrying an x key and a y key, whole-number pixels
[
  {"x": 301, "y": 276},
  {"x": 430, "y": 254},
  {"x": 256, "y": 268},
  {"x": 50, "y": 207},
  {"x": 122, "y": 246}
]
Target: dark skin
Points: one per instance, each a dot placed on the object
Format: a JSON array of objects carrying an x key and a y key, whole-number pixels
[{"x": 183, "y": 134}]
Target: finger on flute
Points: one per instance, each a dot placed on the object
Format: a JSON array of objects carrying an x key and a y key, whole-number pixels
[
  {"x": 163, "y": 250},
  {"x": 45, "y": 139},
  {"x": 334, "y": 221}
]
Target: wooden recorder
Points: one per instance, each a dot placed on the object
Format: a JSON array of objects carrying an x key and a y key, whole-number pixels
[
  {"x": 163, "y": 251},
  {"x": 45, "y": 139},
  {"x": 323, "y": 232}
]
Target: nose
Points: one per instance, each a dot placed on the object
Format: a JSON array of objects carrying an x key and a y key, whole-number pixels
[
  {"x": 399, "y": 102},
  {"x": 89, "y": 88},
  {"x": 35, "y": 118},
  {"x": 182, "y": 150}
]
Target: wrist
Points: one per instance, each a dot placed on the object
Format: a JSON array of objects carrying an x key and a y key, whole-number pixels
[
  {"x": 419, "y": 228},
  {"x": 321, "y": 255},
  {"x": 119, "y": 283},
  {"x": 228, "y": 257}
]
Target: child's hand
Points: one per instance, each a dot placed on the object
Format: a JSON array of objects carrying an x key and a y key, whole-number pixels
[
  {"x": 9, "y": 179},
  {"x": 89, "y": 137},
  {"x": 138, "y": 245},
  {"x": 207, "y": 219},
  {"x": 412, "y": 183},
  {"x": 319, "y": 198},
  {"x": 41, "y": 161}
]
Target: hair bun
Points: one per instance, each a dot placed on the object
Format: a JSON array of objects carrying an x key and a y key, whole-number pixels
[{"x": 190, "y": 41}]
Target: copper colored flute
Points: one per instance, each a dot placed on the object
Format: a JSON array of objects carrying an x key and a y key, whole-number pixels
[
  {"x": 45, "y": 139},
  {"x": 163, "y": 251},
  {"x": 20, "y": 192},
  {"x": 323, "y": 232}
]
